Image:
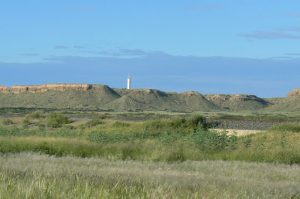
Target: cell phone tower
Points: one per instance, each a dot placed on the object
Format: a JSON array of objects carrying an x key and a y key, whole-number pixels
[{"x": 129, "y": 81}]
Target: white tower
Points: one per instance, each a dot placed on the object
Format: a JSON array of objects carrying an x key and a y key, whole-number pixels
[{"x": 129, "y": 82}]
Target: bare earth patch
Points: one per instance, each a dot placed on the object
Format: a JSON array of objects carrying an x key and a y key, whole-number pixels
[{"x": 239, "y": 132}]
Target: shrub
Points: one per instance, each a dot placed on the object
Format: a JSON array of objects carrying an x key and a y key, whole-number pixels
[
  {"x": 247, "y": 141},
  {"x": 35, "y": 115},
  {"x": 26, "y": 122},
  {"x": 198, "y": 121},
  {"x": 7, "y": 122},
  {"x": 34, "y": 118},
  {"x": 93, "y": 122},
  {"x": 214, "y": 141},
  {"x": 189, "y": 124},
  {"x": 57, "y": 120}
]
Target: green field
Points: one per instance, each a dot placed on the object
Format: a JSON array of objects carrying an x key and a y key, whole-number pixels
[{"x": 46, "y": 154}]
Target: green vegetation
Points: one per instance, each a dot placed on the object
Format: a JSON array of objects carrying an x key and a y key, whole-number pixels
[
  {"x": 57, "y": 120},
  {"x": 92, "y": 123},
  {"x": 177, "y": 138},
  {"x": 278, "y": 148},
  {"x": 287, "y": 127},
  {"x": 102, "y": 97},
  {"x": 52, "y": 154},
  {"x": 53, "y": 120},
  {"x": 7, "y": 122},
  {"x": 41, "y": 176}
]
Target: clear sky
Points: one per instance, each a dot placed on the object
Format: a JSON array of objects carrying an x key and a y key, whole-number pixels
[{"x": 224, "y": 46}]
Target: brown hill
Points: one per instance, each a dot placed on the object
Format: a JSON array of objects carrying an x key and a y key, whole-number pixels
[
  {"x": 90, "y": 96},
  {"x": 238, "y": 102},
  {"x": 44, "y": 88},
  {"x": 151, "y": 99},
  {"x": 288, "y": 104},
  {"x": 294, "y": 93}
]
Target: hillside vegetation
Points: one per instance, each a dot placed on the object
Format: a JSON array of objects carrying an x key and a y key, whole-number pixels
[{"x": 102, "y": 97}]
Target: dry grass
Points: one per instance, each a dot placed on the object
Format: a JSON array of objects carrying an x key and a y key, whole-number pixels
[
  {"x": 239, "y": 132},
  {"x": 40, "y": 176}
]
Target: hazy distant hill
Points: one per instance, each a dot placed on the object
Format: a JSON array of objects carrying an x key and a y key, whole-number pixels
[{"x": 84, "y": 96}]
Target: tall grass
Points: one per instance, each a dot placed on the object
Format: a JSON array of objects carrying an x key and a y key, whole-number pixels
[
  {"x": 40, "y": 176},
  {"x": 273, "y": 148},
  {"x": 24, "y": 132},
  {"x": 202, "y": 139},
  {"x": 177, "y": 139},
  {"x": 287, "y": 127}
]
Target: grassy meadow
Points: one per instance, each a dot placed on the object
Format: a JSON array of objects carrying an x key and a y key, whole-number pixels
[
  {"x": 28, "y": 175},
  {"x": 146, "y": 155}
]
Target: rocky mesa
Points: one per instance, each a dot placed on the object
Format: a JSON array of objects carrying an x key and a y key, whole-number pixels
[
  {"x": 44, "y": 88},
  {"x": 102, "y": 97},
  {"x": 294, "y": 93}
]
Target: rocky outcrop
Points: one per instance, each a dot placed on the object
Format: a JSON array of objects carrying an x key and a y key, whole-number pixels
[
  {"x": 233, "y": 98},
  {"x": 44, "y": 88},
  {"x": 3, "y": 89},
  {"x": 294, "y": 93},
  {"x": 191, "y": 93}
]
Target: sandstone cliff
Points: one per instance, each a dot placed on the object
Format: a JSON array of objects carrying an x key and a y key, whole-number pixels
[
  {"x": 294, "y": 93},
  {"x": 44, "y": 88},
  {"x": 3, "y": 89}
]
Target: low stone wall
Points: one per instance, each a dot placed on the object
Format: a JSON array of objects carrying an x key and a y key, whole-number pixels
[{"x": 44, "y": 88}]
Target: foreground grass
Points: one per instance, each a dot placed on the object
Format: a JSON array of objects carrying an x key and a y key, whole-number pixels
[{"x": 40, "y": 176}]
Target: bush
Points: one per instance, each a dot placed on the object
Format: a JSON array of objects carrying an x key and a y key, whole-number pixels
[
  {"x": 35, "y": 115},
  {"x": 214, "y": 141},
  {"x": 26, "y": 122},
  {"x": 189, "y": 124},
  {"x": 198, "y": 121},
  {"x": 57, "y": 120},
  {"x": 7, "y": 122},
  {"x": 94, "y": 122}
]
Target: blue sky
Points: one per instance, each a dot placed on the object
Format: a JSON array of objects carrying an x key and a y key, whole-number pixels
[{"x": 224, "y": 46}]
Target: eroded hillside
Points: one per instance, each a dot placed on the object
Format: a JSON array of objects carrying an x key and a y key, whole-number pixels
[{"x": 102, "y": 97}]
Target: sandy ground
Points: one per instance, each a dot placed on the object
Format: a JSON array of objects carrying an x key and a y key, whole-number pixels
[{"x": 240, "y": 132}]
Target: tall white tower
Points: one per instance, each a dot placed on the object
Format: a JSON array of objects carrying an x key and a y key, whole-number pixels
[{"x": 129, "y": 82}]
